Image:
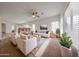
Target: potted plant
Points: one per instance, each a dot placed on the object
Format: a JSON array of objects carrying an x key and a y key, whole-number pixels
[
  {"x": 66, "y": 44},
  {"x": 57, "y": 32}
]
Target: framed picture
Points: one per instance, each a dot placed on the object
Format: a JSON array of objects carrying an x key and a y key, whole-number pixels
[{"x": 43, "y": 27}]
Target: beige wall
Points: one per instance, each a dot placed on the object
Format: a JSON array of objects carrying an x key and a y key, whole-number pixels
[{"x": 46, "y": 21}]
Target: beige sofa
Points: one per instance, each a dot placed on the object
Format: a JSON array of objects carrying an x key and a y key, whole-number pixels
[
  {"x": 13, "y": 38},
  {"x": 26, "y": 46}
]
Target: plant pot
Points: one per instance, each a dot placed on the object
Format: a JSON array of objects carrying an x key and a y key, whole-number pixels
[{"x": 65, "y": 52}]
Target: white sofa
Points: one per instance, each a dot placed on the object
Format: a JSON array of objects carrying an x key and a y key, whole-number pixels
[
  {"x": 43, "y": 34},
  {"x": 26, "y": 46},
  {"x": 14, "y": 38}
]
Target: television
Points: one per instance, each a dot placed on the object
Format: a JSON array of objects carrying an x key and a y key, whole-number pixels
[{"x": 43, "y": 27}]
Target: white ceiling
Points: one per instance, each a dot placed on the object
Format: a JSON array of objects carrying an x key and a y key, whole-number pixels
[{"x": 20, "y": 12}]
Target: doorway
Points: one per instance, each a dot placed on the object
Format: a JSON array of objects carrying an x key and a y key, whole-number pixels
[{"x": 3, "y": 29}]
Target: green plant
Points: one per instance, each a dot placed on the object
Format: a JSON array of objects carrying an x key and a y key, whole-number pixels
[
  {"x": 65, "y": 40},
  {"x": 58, "y": 31}
]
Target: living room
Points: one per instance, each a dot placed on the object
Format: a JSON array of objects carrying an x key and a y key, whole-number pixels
[{"x": 33, "y": 29}]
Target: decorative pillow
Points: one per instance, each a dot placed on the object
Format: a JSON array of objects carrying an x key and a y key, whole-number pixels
[
  {"x": 25, "y": 37},
  {"x": 29, "y": 36},
  {"x": 22, "y": 36}
]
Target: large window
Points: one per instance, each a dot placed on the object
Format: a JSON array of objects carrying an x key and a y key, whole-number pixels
[
  {"x": 54, "y": 26},
  {"x": 12, "y": 28},
  {"x": 33, "y": 27}
]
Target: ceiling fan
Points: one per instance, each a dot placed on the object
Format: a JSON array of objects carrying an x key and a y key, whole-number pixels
[{"x": 36, "y": 14}]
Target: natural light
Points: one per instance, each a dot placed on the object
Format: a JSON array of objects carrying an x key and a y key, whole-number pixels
[{"x": 54, "y": 26}]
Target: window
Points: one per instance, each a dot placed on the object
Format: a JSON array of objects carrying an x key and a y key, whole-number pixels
[
  {"x": 33, "y": 27},
  {"x": 13, "y": 27},
  {"x": 54, "y": 26}
]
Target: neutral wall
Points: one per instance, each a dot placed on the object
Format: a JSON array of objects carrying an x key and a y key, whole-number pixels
[
  {"x": 8, "y": 26},
  {"x": 0, "y": 28},
  {"x": 46, "y": 21},
  {"x": 71, "y": 26}
]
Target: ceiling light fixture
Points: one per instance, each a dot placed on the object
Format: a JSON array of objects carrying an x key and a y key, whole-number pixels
[{"x": 35, "y": 14}]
